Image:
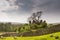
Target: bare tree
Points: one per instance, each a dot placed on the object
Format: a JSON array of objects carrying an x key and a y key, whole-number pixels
[
  {"x": 39, "y": 15},
  {"x": 35, "y": 17}
]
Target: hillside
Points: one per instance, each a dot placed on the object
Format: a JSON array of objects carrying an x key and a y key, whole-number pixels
[{"x": 53, "y": 36}]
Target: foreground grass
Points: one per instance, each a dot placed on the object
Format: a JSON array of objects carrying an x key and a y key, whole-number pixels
[{"x": 53, "y": 36}]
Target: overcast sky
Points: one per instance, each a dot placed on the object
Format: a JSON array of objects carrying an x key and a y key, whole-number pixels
[{"x": 20, "y": 10}]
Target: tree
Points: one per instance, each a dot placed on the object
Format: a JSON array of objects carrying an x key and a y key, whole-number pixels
[
  {"x": 39, "y": 15},
  {"x": 35, "y": 17},
  {"x": 44, "y": 24}
]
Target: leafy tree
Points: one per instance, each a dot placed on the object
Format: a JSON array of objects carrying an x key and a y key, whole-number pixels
[{"x": 44, "y": 24}]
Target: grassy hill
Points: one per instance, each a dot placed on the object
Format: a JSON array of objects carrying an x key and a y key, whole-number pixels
[{"x": 53, "y": 36}]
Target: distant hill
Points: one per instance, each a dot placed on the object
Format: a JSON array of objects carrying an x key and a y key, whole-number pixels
[
  {"x": 54, "y": 23},
  {"x": 11, "y": 22},
  {"x": 15, "y": 23}
]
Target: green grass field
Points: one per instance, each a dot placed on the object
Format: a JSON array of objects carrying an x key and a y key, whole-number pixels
[{"x": 53, "y": 36}]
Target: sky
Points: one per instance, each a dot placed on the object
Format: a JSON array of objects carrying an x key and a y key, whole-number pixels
[{"x": 20, "y": 10}]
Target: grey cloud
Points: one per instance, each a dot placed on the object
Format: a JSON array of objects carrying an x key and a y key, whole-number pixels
[
  {"x": 24, "y": 6},
  {"x": 45, "y": 5},
  {"x": 50, "y": 6},
  {"x": 27, "y": 5}
]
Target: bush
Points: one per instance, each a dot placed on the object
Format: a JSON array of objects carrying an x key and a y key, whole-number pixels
[
  {"x": 51, "y": 35},
  {"x": 57, "y": 37}
]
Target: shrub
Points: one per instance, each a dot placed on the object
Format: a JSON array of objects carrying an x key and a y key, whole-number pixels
[
  {"x": 57, "y": 37},
  {"x": 51, "y": 35}
]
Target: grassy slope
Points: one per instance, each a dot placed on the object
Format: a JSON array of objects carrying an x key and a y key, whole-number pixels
[{"x": 44, "y": 37}]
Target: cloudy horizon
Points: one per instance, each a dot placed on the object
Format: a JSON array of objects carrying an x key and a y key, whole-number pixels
[{"x": 20, "y": 10}]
